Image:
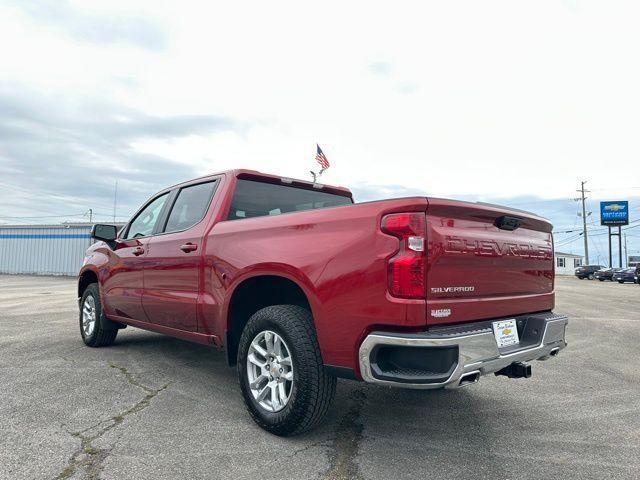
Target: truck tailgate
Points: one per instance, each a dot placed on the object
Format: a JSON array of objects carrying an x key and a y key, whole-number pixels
[{"x": 479, "y": 266}]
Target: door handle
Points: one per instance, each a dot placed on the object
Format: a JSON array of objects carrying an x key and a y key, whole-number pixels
[
  {"x": 189, "y": 247},
  {"x": 138, "y": 251}
]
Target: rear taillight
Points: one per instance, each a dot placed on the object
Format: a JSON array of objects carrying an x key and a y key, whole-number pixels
[{"x": 407, "y": 267}]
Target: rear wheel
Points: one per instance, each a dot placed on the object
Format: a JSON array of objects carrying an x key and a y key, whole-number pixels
[
  {"x": 95, "y": 329},
  {"x": 620, "y": 281},
  {"x": 601, "y": 279},
  {"x": 591, "y": 277},
  {"x": 280, "y": 370}
]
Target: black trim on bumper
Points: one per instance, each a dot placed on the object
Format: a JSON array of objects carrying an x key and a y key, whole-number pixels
[
  {"x": 340, "y": 372},
  {"x": 413, "y": 364}
]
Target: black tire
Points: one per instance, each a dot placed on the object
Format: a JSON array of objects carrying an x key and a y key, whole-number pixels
[
  {"x": 104, "y": 332},
  {"x": 591, "y": 277},
  {"x": 620, "y": 281},
  {"x": 601, "y": 279},
  {"x": 312, "y": 389}
]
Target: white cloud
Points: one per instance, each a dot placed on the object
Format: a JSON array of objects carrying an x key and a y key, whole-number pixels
[
  {"x": 488, "y": 99},
  {"x": 499, "y": 97}
]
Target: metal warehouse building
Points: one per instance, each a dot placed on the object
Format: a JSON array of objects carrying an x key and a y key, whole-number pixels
[{"x": 44, "y": 249}]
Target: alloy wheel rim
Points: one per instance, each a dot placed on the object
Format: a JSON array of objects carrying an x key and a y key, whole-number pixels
[
  {"x": 270, "y": 371},
  {"x": 88, "y": 315}
]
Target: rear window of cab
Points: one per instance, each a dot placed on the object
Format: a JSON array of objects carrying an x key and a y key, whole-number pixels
[{"x": 259, "y": 199}]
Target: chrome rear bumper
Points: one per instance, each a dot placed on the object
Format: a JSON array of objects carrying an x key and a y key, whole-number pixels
[{"x": 477, "y": 351}]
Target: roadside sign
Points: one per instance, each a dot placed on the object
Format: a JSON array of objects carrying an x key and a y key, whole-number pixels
[{"x": 614, "y": 213}]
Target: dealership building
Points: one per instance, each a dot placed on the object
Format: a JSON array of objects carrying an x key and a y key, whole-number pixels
[
  {"x": 566, "y": 263},
  {"x": 44, "y": 249}
]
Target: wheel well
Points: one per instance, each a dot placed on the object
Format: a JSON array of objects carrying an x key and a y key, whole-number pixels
[
  {"x": 252, "y": 295},
  {"x": 86, "y": 279}
]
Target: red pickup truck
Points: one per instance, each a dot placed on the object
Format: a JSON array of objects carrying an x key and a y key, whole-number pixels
[{"x": 299, "y": 285}]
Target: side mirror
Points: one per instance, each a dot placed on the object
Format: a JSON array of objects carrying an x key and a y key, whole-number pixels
[{"x": 106, "y": 233}]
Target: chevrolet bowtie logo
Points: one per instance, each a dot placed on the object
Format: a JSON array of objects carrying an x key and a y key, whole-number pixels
[{"x": 614, "y": 207}]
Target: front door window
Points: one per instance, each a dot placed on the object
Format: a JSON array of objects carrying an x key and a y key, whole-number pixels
[{"x": 145, "y": 221}]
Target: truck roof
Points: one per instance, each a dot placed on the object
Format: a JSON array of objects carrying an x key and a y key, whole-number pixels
[{"x": 256, "y": 175}]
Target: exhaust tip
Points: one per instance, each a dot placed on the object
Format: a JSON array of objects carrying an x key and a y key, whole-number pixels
[
  {"x": 469, "y": 378},
  {"x": 554, "y": 352}
]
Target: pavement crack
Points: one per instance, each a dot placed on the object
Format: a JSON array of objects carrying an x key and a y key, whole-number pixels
[
  {"x": 89, "y": 458},
  {"x": 132, "y": 380},
  {"x": 346, "y": 442},
  {"x": 308, "y": 447}
]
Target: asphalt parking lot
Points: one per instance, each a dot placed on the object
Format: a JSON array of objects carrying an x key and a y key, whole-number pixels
[{"x": 153, "y": 407}]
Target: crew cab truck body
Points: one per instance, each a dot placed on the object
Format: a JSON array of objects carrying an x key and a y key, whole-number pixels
[{"x": 299, "y": 285}]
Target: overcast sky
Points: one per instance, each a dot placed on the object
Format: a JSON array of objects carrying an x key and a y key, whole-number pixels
[{"x": 506, "y": 101}]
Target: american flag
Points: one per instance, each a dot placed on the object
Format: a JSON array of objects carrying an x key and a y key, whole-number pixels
[{"x": 321, "y": 159}]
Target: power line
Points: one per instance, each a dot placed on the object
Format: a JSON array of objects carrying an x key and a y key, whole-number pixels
[
  {"x": 567, "y": 241},
  {"x": 46, "y": 216},
  {"x": 597, "y": 245},
  {"x": 623, "y": 229},
  {"x": 89, "y": 213},
  {"x": 573, "y": 229}
]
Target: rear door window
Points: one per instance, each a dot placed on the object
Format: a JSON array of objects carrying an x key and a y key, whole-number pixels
[
  {"x": 190, "y": 206},
  {"x": 258, "y": 199}
]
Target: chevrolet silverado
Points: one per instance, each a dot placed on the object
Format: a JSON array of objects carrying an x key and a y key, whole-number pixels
[{"x": 299, "y": 285}]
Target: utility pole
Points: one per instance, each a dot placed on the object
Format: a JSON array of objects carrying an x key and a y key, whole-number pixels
[
  {"x": 584, "y": 221},
  {"x": 626, "y": 257},
  {"x": 115, "y": 201}
]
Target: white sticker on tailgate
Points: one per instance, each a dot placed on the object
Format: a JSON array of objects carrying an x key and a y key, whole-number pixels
[{"x": 506, "y": 333}]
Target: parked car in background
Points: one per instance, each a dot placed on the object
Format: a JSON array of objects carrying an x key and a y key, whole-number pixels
[
  {"x": 625, "y": 275},
  {"x": 587, "y": 271},
  {"x": 605, "y": 273}
]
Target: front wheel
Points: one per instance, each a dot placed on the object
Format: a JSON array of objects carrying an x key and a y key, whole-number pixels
[
  {"x": 620, "y": 281},
  {"x": 591, "y": 277},
  {"x": 95, "y": 329},
  {"x": 285, "y": 387}
]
